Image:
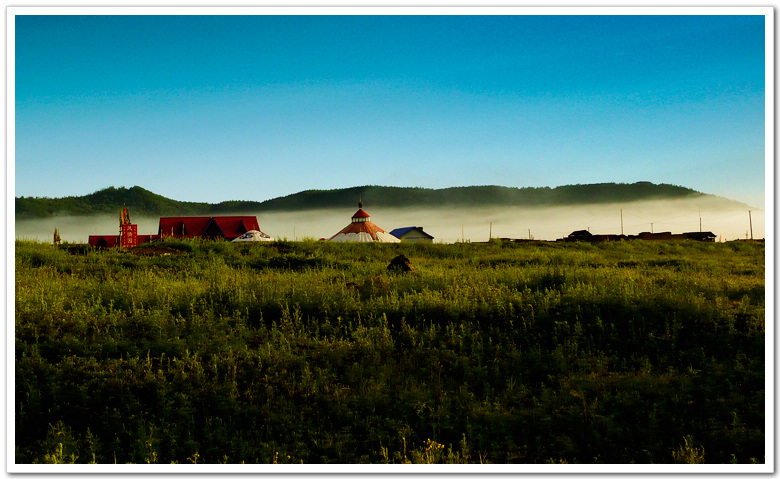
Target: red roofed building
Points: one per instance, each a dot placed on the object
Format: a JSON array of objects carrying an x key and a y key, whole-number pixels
[
  {"x": 228, "y": 227},
  {"x": 127, "y": 238},
  {"x": 111, "y": 241},
  {"x": 213, "y": 227},
  {"x": 103, "y": 241},
  {"x": 361, "y": 229}
]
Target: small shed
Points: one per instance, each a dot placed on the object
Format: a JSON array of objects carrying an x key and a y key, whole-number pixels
[
  {"x": 700, "y": 235},
  {"x": 412, "y": 234},
  {"x": 579, "y": 235},
  {"x": 646, "y": 235}
]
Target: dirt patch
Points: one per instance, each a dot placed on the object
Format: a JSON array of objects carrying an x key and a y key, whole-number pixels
[{"x": 154, "y": 251}]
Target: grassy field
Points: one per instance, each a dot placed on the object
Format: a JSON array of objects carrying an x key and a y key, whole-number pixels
[{"x": 290, "y": 352}]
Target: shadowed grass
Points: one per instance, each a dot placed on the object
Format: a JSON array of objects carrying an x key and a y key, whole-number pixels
[{"x": 314, "y": 352}]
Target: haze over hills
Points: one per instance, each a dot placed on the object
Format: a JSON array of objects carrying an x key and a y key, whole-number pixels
[{"x": 142, "y": 202}]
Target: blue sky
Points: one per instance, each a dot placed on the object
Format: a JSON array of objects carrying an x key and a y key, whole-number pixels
[{"x": 214, "y": 108}]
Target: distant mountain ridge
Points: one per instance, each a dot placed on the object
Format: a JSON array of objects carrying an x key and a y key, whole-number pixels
[{"x": 143, "y": 202}]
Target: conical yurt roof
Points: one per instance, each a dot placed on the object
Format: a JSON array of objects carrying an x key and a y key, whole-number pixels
[
  {"x": 362, "y": 230},
  {"x": 253, "y": 235}
]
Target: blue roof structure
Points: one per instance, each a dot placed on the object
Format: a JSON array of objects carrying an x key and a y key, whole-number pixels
[{"x": 399, "y": 232}]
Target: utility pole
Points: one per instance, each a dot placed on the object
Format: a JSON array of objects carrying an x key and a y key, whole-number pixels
[
  {"x": 621, "y": 221},
  {"x": 751, "y": 224},
  {"x": 699, "y": 221},
  {"x": 529, "y": 233}
]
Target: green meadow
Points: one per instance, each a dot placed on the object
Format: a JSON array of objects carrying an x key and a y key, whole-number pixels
[{"x": 314, "y": 352}]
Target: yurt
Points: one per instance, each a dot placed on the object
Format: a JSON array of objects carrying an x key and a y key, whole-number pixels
[
  {"x": 362, "y": 230},
  {"x": 252, "y": 235}
]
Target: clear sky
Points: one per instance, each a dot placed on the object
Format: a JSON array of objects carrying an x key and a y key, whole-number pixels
[{"x": 214, "y": 108}]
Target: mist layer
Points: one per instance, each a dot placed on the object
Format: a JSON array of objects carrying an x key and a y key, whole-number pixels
[{"x": 460, "y": 224}]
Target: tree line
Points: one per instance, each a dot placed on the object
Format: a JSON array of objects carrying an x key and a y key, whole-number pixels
[{"x": 146, "y": 203}]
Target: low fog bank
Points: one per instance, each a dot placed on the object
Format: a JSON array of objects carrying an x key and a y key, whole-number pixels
[
  {"x": 76, "y": 229},
  {"x": 456, "y": 224},
  {"x": 474, "y": 224}
]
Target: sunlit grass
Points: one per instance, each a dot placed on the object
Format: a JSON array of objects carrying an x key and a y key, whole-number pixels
[{"x": 315, "y": 352}]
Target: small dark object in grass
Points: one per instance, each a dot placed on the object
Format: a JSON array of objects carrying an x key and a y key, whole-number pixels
[
  {"x": 79, "y": 249},
  {"x": 400, "y": 264}
]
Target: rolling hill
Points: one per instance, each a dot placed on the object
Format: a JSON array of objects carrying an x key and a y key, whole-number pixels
[{"x": 143, "y": 202}]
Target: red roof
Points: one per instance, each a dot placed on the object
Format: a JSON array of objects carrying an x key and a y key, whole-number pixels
[
  {"x": 362, "y": 227},
  {"x": 207, "y": 226},
  {"x": 236, "y": 225},
  {"x": 361, "y": 214},
  {"x": 106, "y": 241}
]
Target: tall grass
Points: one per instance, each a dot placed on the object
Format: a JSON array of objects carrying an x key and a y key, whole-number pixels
[{"x": 314, "y": 352}]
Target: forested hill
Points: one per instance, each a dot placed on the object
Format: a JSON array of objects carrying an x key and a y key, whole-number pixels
[{"x": 142, "y": 202}]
